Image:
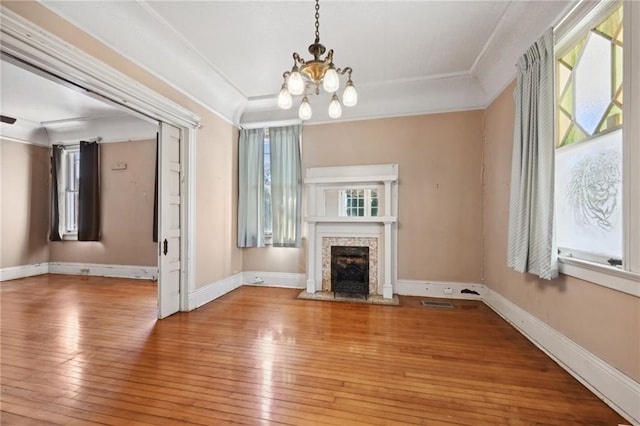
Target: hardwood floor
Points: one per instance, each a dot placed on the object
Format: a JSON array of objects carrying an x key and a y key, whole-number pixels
[{"x": 78, "y": 350}]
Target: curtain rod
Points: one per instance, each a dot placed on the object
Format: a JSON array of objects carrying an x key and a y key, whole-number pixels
[
  {"x": 259, "y": 125},
  {"x": 77, "y": 141}
]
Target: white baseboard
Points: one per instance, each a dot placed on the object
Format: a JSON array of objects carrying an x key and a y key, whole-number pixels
[
  {"x": 22, "y": 271},
  {"x": 438, "y": 288},
  {"x": 274, "y": 279},
  {"x": 212, "y": 291},
  {"x": 95, "y": 269},
  {"x": 619, "y": 391}
]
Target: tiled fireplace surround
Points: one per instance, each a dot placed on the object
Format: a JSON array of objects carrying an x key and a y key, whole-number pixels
[
  {"x": 377, "y": 233},
  {"x": 372, "y": 243}
]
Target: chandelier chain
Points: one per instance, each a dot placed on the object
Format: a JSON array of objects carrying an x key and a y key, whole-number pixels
[{"x": 317, "y": 21}]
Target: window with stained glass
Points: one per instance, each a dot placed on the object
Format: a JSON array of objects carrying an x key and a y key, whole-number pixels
[{"x": 589, "y": 78}]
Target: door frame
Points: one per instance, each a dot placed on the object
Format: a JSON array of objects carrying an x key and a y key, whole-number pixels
[{"x": 24, "y": 41}]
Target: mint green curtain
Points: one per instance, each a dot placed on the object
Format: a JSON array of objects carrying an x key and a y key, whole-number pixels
[
  {"x": 251, "y": 188},
  {"x": 531, "y": 245},
  {"x": 286, "y": 185}
]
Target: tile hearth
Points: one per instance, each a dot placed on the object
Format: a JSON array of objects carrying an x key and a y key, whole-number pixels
[{"x": 373, "y": 299}]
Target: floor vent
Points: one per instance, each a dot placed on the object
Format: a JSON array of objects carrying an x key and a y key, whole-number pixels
[{"x": 434, "y": 304}]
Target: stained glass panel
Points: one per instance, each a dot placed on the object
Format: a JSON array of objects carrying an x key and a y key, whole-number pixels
[
  {"x": 563, "y": 124},
  {"x": 593, "y": 82},
  {"x": 589, "y": 86},
  {"x": 612, "y": 24},
  {"x": 612, "y": 120},
  {"x": 571, "y": 57},
  {"x": 563, "y": 76},
  {"x": 567, "y": 100},
  {"x": 574, "y": 135},
  {"x": 617, "y": 67}
]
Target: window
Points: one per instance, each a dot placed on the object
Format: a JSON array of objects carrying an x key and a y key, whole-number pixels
[
  {"x": 589, "y": 144},
  {"x": 597, "y": 146},
  {"x": 71, "y": 183},
  {"x": 358, "y": 202}
]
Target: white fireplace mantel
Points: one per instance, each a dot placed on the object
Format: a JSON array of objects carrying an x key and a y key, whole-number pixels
[{"x": 322, "y": 222}]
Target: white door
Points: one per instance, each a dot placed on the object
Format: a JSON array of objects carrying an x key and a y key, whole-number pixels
[{"x": 169, "y": 221}]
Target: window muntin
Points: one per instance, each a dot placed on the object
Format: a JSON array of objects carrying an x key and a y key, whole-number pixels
[{"x": 589, "y": 145}]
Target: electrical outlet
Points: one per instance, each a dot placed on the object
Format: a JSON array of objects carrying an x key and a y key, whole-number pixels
[{"x": 448, "y": 290}]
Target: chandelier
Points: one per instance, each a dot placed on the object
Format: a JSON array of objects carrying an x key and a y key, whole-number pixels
[{"x": 306, "y": 74}]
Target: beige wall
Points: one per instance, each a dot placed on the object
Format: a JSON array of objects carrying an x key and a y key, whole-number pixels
[
  {"x": 604, "y": 321},
  {"x": 126, "y": 211},
  {"x": 275, "y": 259},
  {"x": 215, "y": 142},
  {"x": 440, "y": 191},
  {"x": 216, "y": 203},
  {"x": 24, "y": 204}
]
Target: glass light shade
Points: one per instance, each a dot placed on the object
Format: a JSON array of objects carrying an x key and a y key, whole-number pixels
[
  {"x": 350, "y": 96},
  {"x": 304, "y": 112},
  {"x": 295, "y": 83},
  {"x": 331, "y": 81},
  {"x": 335, "y": 109},
  {"x": 284, "y": 98}
]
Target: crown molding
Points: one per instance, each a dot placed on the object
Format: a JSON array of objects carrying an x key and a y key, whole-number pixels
[{"x": 27, "y": 42}]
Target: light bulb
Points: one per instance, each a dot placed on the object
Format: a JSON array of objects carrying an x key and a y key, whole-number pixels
[
  {"x": 331, "y": 81},
  {"x": 350, "y": 96},
  {"x": 295, "y": 83},
  {"x": 284, "y": 98},
  {"x": 335, "y": 109},
  {"x": 304, "y": 112}
]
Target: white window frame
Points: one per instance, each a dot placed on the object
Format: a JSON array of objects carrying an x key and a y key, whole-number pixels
[
  {"x": 66, "y": 162},
  {"x": 342, "y": 199},
  {"x": 625, "y": 278}
]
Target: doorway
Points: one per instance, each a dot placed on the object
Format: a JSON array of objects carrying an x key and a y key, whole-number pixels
[{"x": 44, "y": 53}]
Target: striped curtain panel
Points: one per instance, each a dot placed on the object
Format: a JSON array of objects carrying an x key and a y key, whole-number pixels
[
  {"x": 286, "y": 186},
  {"x": 531, "y": 245},
  {"x": 251, "y": 188}
]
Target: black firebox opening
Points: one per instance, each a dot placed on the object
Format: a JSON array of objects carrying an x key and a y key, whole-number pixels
[{"x": 350, "y": 271}]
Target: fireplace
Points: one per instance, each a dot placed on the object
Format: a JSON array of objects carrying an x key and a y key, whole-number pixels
[
  {"x": 327, "y": 226},
  {"x": 350, "y": 271}
]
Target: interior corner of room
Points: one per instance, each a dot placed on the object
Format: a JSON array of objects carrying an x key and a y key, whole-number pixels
[{"x": 428, "y": 147}]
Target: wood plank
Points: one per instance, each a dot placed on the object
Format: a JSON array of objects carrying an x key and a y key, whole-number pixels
[{"x": 89, "y": 350}]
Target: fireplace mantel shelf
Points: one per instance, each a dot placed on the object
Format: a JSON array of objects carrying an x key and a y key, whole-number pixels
[{"x": 351, "y": 219}]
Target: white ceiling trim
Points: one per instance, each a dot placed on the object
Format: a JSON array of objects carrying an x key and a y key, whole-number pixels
[
  {"x": 151, "y": 11},
  {"x": 522, "y": 24},
  {"x": 26, "y": 41},
  {"x": 146, "y": 38},
  {"x": 161, "y": 55},
  {"x": 489, "y": 40}
]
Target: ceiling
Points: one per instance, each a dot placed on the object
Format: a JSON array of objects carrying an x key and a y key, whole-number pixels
[
  {"x": 43, "y": 102},
  {"x": 48, "y": 110},
  {"x": 408, "y": 57}
]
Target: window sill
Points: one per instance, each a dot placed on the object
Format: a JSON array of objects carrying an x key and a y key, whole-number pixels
[
  {"x": 606, "y": 276},
  {"x": 70, "y": 237}
]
